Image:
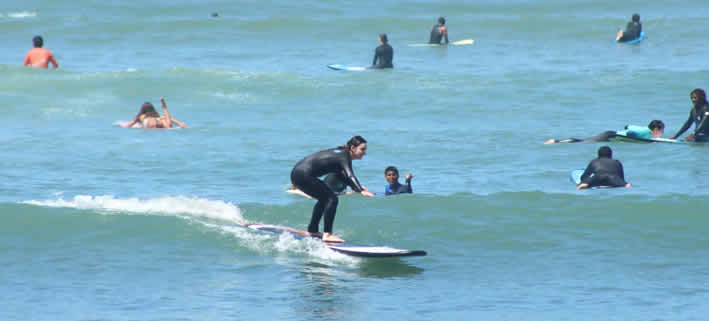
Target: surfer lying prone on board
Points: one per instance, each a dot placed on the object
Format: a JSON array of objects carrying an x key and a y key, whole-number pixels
[
  {"x": 335, "y": 160},
  {"x": 149, "y": 118},
  {"x": 603, "y": 171},
  {"x": 655, "y": 129},
  {"x": 632, "y": 30}
]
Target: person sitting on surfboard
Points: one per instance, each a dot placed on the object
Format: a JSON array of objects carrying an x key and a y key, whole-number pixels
[
  {"x": 304, "y": 176},
  {"x": 384, "y": 54},
  {"x": 698, "y": 114},
  {"x": 603, "y": 171},
  {"x": 391, "y": 174},
  {"x": 439, "y": 31},
  {"x": 632, "y": 30},
  {"x": 149, "y": 118},
  {"x": 655, "y": 129}
]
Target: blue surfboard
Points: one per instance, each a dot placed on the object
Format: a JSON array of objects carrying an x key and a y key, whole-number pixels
[
  {"x": 346, "y": 67},
  {"x": 636, "y": 40},
  {"x": 575, "y": 176}
]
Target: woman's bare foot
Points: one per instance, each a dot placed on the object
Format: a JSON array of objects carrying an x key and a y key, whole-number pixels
[
  {"x": 316, "y": 235},
  {"x": 328, "y": 237}
]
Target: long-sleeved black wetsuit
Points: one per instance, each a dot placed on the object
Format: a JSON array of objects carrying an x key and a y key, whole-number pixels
[
  {"x": 604, "y": 171},
  {"x": 383, "y": 57},
  {"x": 305, "y": 177},
  {"x": 697, "y": 116}
]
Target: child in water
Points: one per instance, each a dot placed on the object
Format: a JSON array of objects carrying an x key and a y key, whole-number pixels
[{"x": 393, "y": 187}]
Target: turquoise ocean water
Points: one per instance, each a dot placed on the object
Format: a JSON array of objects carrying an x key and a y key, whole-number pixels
[{"x": 98, "y": 222}]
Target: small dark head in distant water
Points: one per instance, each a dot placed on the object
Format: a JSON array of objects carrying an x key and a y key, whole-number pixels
[
  {"x": 215, "y": 14},
  {"x": 636, "y": 17}
]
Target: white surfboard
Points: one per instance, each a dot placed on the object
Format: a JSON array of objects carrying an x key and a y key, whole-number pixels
[
  {"x": 344, "y": 248},
  {"x": 346, "y": 67},
  {"x": 465, "y": 42},
  {"x": 298, "y": 192}
]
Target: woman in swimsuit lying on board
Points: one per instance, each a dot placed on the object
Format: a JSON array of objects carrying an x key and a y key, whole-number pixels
[{"x": 148, "y": 117}]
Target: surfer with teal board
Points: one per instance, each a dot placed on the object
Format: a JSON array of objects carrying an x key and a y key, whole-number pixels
[{"x": 633, "y": 31}]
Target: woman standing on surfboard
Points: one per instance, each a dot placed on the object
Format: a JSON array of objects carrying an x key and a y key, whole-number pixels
[{"x": 335, "y": 160}]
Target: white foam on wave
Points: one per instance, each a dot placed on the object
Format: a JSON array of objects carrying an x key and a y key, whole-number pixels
[
  {"x": 20, "y": 15},
  {"x": 214, "y": 214},
  {"x": 166, "y": 205}
]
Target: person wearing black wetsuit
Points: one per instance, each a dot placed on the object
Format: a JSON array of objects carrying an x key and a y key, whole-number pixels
[
  {"x": 655, "y": 129},
  {"x": 603, "y": 171},
  {"x": 335, "y": 160},
  {"x": 698, "y": 116},
  {"x": 632, "y": 30},
  {"x": 439, "y": 32},
  {"x": 337, "y": 182},
  {"x": 393, "y": 187},
  {"x": 384, "y": 54}
]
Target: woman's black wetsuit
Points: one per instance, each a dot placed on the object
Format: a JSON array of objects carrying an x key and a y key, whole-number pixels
[
  {"x": 697, "y": 115},
  {"x": 305, "y": 177},
  {"x": 383, "y": 57}
]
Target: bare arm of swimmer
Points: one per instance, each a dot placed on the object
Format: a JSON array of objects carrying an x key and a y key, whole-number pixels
[
  {"x": 167, "y": 122},
  {"x": 179, "y": 123}
]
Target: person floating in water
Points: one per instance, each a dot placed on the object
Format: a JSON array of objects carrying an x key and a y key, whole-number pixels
[
  {"x": 603, "y": 171},
  {"x": 632, "y": 30},
  {"x": 697, "y": 115},
  {"x": 655, "y": 129},
  {"x": 149, "y": 118},
  {"x": 384, "y": 54},
  {"x": 304, "y": 177},
  {"x": 39, "y": 57},
  {"x": 439, "y": 32},
  {"x": 391, "y": 174}
]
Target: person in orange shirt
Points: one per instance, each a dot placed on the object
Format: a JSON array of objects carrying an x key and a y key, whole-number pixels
[{"x": 39, "y": 57}]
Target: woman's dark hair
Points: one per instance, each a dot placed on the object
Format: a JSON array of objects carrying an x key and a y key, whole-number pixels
[
  {"x": 605, "y": 151},
  {"x": 656, "y": 124},
  {"x": 354, "y": 141},
  {"x": 700, "y": 94},
  {"x": 384, "y": 38},
  {"x": 38, "y": 41},
  {"x": 148, "y": 109},
  {"x": 442, "y": 20}
]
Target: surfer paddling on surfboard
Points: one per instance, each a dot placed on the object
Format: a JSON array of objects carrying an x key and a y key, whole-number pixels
[
  {"x": 603, "y": 171},
  {"x": 335, "y": 160}
]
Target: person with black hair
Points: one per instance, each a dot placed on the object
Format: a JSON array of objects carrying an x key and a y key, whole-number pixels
[
  {"x": 632, "y": 30},
  {"x": 384, "y": 54},
  {"x": 603, "y": 171},
  {"x": 697, "y": 115},
  {"x": 655, "y": 129},
  {"x": 305, "y": 177},
  {"x": 439, "y": 32},
  {"x": 391, "y": 174},
  {"x": 39, "y": 57}
]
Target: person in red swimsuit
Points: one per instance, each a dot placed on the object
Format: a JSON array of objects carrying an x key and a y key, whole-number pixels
[{"x": 39, "y": 57}]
